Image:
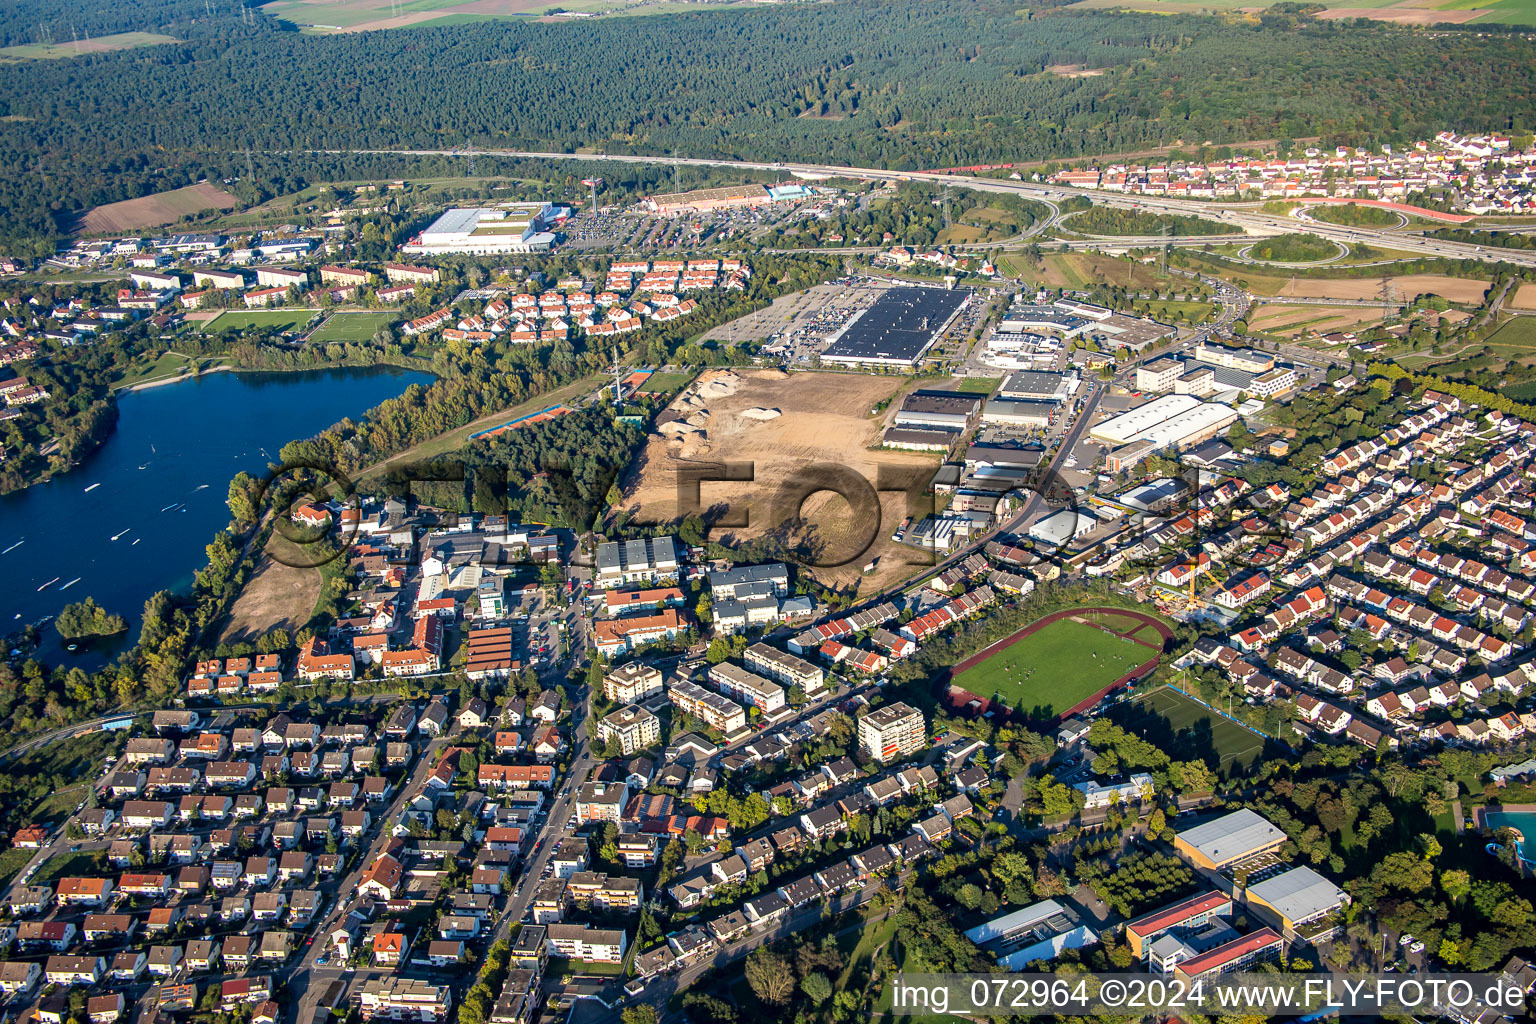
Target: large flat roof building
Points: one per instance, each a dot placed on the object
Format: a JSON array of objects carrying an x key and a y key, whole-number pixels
[
  {"x": 1237, "y": 955},
  {"x": 897, "y": 329},
  {"x": 1246, "y": 359},
  {"x": 1038, "y": 385},
  {"x": 517, "y": 227},
  {"x": 1193, "y": 913},
  {"x": 1038, "y": 932},
  {"x": 1296, "y": 897},
  {"x": 1190, "y": 428},
  {"x": 1229, "y": 839},
  {"x": 938, "y": 408},
  {"x": 700, "y": 200},
  {"x": 1129, "y": 426}
]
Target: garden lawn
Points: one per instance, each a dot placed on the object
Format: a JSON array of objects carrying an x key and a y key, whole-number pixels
[{"x": 1193, "y": 724}]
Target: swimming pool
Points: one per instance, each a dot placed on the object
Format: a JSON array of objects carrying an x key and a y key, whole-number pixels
[{"x": 1525, "y": 821}]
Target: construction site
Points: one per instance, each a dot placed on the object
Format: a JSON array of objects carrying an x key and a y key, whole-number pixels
[{"x": 774, "y": 427}]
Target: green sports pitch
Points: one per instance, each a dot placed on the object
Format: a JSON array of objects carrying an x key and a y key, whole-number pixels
[
  {"x": 1197, "y": 731},
  {"x": 1053, "y": 669},
  {"x": 277, "y": 319},
  {"x": 352, "y": 326}
]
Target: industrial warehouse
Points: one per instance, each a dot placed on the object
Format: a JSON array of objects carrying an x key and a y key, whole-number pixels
[
  {"x": 897, "y": 329},
  {"x": 1172, "y": 421}
]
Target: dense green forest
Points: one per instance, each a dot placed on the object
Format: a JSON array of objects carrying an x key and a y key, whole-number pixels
[
  {"x": 903, "y": 84},
  {"x": 1502, "y": 239},
  {"x": 1106, "y": 220},
  {"x": 1297, "y": 248},
  {"x": 54, "y": 21},
  {"x": 1355, "y": 216}
]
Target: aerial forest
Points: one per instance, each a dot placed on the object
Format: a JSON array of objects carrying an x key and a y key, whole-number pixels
[{"x": 899, "y": 84}]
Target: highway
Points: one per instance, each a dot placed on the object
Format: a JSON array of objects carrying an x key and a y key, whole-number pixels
[{"x": 1246, "y": 219}]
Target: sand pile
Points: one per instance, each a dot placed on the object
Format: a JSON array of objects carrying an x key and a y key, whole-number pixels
[
  {"x": 723, "y": 386},
  {"x": 759, "y": 413}
]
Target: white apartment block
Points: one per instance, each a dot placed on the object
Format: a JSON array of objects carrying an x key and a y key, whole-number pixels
[
  {"x": 634, "y": 727},
  {"x": 892, "y": 732},
  {"x": 632, "y": 683}
]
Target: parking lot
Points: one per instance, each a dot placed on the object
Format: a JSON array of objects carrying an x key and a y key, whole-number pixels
[{"x": 797, "y": 326}]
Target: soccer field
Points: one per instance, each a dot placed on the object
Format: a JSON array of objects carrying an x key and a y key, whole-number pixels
[
  {"x": 1196, "y": 730},
  {"x": 280, "y": 319},
  {"x": 1053, "y": 669},
  {"x": 352, "y": 326}
]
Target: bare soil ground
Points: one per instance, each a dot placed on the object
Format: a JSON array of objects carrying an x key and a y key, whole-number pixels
[
  {"x": 1525, "y": 298},
  {"x": 277, "y": 596},
  {"x": 822, "y": 419},
  {"x": 152, "y": 211},
  {"x": 1074, "y": 71},
  {"x": 1293, "y": 319},
  {"x": 1456, "y": 289},
  {"x": 1403, "y": 15}
]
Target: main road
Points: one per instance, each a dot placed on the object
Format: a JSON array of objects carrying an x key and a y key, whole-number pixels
[{"x": 1244, "y": 218}]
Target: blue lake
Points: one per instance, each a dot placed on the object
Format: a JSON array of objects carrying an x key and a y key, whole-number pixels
[{"x": 135, "y": 517}]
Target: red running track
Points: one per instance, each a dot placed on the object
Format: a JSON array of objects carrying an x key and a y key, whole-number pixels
[{"x": 959, "y": 698}]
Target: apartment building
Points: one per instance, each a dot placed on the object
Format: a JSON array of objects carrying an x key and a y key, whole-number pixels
[
  {"x": 634, "y": 727},
  {"x": 632, "y": 683},
  {"x": 395, "y": 998},
  {"x": 605, "y": 892},
  {"x": 747, "y": 687},
  {"x": 636, "y": 561},
  {"x": 892, "y": 732},
  {"x": 785, "y": 667},
  {"x": 728, "y": 584},
  {"x": 581, "y": 942},
  {"x": 717, "y": 712}
]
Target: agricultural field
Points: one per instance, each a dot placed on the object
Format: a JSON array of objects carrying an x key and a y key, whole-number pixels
[
  {"x": 1197, "y": 732},
  {"x": 779, "y": 423},
  {"x": 81, "y": 47},
  {"x": 241, "y": 319},
  {"x": 1292, "y": 321},
  {"x": 1515, "y": 339},
  {"x": 1266, "y": 282},
  {"x": 329, "y": 16},
  {"x": 352, "y": 326},
  {"x": 1523, "y": 298},
  {"x": 153, "y": 211},
  {"x": 1402, "y": 12},
  {"x": 1054, "y": 668}
]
